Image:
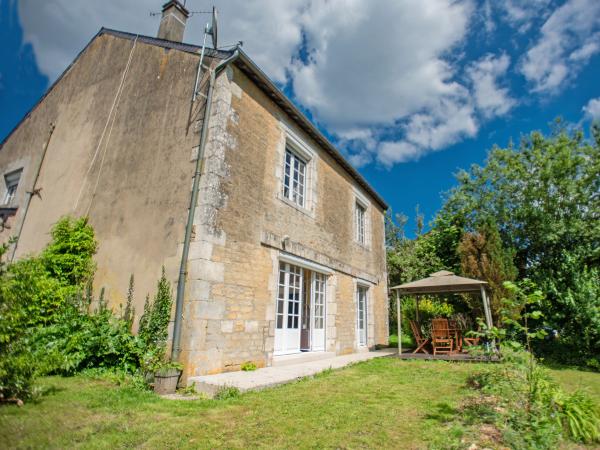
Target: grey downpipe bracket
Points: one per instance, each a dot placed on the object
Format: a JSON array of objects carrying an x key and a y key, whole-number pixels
[{"x": 175, "y": 349}]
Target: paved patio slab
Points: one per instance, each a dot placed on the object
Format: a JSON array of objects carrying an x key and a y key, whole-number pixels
[{"x": 276, "y": 375}]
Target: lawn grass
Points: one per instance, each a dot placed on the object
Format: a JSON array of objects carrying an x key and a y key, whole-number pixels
[
  {"x": 572, "y": 379},
  {"x": 407, "y": 341},
  {"x": 382, "y": 403}
]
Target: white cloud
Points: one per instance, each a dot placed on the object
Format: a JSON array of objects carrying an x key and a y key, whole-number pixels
[
  {"x": 491, "y": 99},
  {"x": 567, "y": 40},
  {"x": 372, "y": 66},
  {"x": 592, "y": 109},
  {"x": 520, "y": 14},
  {"x": 384, "y": 76},
  {"x": 443, "y": 126},
  {"x": 446, "y": 124},
  {"x": 383, "y": 66},
  {"x": 370, "y": 63},
  {"x": 487, "y": 17},
  {"x": 391, "y": 153},
  {"x": 59, "y": 29}
]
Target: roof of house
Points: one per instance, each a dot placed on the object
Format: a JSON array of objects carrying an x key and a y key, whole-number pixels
[
  {"x": 245, "y": 63},
  {"x": 439, "y": 283}
]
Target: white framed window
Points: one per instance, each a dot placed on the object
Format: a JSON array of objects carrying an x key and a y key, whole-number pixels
[
  {"x": 294, "y": 177},
  {"x": 359, "y": 214},
  {"x": 362, "y": 225},
  {"x": 297, "y": 171},
  {"x": 12, "y": 183},
  {"x": 361, "y": 314}
]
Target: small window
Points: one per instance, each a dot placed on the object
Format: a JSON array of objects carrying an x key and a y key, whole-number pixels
[
  {"x": 12, "y": 182},
  {"x": 360, "y": 223},
  {"x": 294, "y": 178}
]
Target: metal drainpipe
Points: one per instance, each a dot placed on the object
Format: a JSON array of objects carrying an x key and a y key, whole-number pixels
[
  {"x": 175, "y": 350},
  {"x": 32, "y": 192}
]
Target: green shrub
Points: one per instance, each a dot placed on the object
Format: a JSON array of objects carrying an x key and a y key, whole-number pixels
[
  {"x": 18, "y": 369},
  {"x": 80, "y": 341},
  {"x": 429, "y": 308},
  {"x": 35, "y": 291},
  {"x": 154, "y": 325},
  {"x": 528, "y": 407},
  {"x": 227, "y": 393},
  {"x": 46, "y": 327},
  {"x": 248, "y": 366},
  {"x": 579, "y": 417},
  {"x": 68, "y": 257}
]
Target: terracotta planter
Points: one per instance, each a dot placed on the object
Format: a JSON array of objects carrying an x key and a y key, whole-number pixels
[{"x": 165, "y": 381}]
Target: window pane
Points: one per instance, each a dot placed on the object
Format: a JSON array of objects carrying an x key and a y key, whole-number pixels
[
  {"x": 294, "y": 178},
  {"x": 360, "y": 223}
]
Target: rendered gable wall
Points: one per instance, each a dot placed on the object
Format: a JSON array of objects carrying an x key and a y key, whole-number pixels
[{"x": 140, "y": 203}]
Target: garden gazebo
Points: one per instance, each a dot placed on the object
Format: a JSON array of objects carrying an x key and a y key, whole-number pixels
[{"x": 443, "y": 282}]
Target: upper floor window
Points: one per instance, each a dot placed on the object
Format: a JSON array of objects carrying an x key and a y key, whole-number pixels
[
  {"x": 12, "y": 182},
  {"x": 360, "y": 223},
  {"x": 294, "y": 178}
]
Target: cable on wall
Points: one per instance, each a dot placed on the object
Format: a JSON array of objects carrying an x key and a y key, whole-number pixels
[{"x": 109, "y": 120}]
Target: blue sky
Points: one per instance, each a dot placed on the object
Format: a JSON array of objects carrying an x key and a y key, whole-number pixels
[{"x": 410, "y": 90}]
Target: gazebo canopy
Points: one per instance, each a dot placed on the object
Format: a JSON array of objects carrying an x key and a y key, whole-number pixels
[
  {"x": 439, "y": 283},
  {"x": 442, "y": 282}
]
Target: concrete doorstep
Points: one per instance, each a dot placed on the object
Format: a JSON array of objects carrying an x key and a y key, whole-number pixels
[{"x": 279, "y": 374}]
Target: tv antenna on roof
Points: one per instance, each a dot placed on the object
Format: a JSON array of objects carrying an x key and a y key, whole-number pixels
[{"x": 212, "y": 30}]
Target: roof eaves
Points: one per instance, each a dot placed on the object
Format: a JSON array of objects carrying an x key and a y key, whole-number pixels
[
  {"x": 264, "y": 82},
  {"x": 182, "y": 46}
]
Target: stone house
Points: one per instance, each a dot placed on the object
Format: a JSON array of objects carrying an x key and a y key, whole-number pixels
[{"x": 282, "y": 250}]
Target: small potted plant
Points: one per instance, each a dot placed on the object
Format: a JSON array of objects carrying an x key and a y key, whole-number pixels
[{"x": 166, "y": 377}]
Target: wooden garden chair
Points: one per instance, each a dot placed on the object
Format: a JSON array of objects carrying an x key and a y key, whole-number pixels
[
  {"x": 441, "y": 339},
  {"x": 456, "y": 334},
  {"x": 420, "y": 340}
]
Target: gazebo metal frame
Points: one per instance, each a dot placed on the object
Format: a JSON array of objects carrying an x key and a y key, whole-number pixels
[{"x": 443, "y": 282}]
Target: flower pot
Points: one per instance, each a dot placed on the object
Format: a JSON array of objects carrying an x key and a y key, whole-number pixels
[
  {"x": 149, "y": 377},
  {"x": 165, "y": 381}
]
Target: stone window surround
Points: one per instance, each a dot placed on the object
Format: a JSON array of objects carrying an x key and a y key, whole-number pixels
[
  {"x": 11, "y": 181},
  {"x": 292, "y": 140}
]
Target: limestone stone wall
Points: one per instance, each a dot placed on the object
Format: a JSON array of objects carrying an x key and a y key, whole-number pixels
[{"x": 244, "y": 224}]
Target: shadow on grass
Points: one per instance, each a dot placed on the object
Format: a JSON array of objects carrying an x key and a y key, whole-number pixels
[
  {"x": 43, "y": 392},
  {"x": 444, "y": 413}
]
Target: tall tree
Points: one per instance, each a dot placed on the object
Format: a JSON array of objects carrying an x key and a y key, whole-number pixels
[
  {"x": 483, "y": 256},
  {"x": 545, "y": 198}
]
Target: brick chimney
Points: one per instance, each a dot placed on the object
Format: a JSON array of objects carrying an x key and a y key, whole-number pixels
[{"x": 172, "y": 24}]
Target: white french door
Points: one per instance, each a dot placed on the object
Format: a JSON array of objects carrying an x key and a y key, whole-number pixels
[
  {"x": 288, "y": 311},
  {"x": 319, "y": 286},
  {"x": 361, "y": 315}
]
